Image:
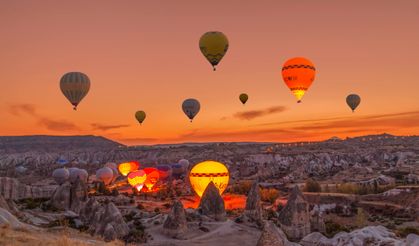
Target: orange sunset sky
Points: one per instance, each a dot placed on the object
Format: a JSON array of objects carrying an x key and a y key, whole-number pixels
[{"x": 145, "y": 55}]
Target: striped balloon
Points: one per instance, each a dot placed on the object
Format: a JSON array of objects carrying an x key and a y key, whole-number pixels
[{"x": 75, "y": 86}]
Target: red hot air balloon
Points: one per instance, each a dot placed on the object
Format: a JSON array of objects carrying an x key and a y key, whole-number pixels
[{"x": 152, "y": 177}]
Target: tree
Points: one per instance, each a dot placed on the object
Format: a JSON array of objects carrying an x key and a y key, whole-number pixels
[{"x": 312, "y": 186}]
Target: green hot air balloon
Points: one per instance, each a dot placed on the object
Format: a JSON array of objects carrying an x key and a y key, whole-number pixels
[
  {"x": 243, "y": 98},
  {"x": 191, "y": 108},
  {"x": 353, "y": 100},
  {"x": 140, "y": 116}
]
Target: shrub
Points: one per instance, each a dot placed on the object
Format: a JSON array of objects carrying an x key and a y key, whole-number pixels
[
  {"x": 269, "y": 195},
  {"x": 312, "y": 186},
  {"x": 403, "y": 232},
  {"x": 333, "y": 228},
  {"x": 243, "y": 187}
]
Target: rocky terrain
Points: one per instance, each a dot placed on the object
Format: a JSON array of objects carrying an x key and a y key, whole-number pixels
[{"x": 358, "y": 191}]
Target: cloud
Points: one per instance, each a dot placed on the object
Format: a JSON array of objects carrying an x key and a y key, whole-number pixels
[
  {"x": 57, "y": 125},
  {"x": 103, "y": 127},
  {"x": 252, "y": 114},
  {"x": 50, "y": 124},
  {"x": 24, "y": 108}
]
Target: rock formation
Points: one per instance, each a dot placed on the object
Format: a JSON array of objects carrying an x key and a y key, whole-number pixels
[
  {"x": 273, "y": 236},
  {"x": 370, "y": 235},
  {"x": 212, "y": 204},
  {"x": 11, "y": 188},
  {"x": 294, "y": 218},
  {"x": 253, "y": 209},
  {"x": 175, "y": 224},
  {"x": 70, "y": 196},
  {"x": 104, "y": 220}
]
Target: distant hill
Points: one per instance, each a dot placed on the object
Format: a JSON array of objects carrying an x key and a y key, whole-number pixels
[{"x": 42, "y": 143}]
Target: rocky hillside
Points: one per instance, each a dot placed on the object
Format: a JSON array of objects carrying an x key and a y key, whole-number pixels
[{"x": 40, "y": 143}]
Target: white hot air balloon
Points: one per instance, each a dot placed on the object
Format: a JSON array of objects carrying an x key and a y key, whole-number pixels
[
  {"x": 105, "y": 174},
  {"x": 191, "y": 108},
  {"x": 184, "y": 163},
  {"x": 60, "y": 175}
]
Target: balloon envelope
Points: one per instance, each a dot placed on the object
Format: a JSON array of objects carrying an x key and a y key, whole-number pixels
[
  {"x": 60, "y": 175},
  {"x": 213, "y": 46},
  {"x": 205, "y": 172},
  {"x": 137, "y": 178},
  {"x": 191, "y": 107},
  {"x": 353, "y": 100},
  {"x": 75, "y": 86},
  {"x": 152, "y": 177},
  {"x": 243, "y": 98},
  {"x": 140, "y": 116},
  {"x": 298, "y": 74},
  {"x": 105, "y": 175},
  {"x": 127, "y": 167},
  {"x": 184, "y": 163}
]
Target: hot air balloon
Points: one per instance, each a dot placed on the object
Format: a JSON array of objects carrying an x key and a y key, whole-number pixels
[
  {"x": 177, "y": 170},
  {"x": 213, "y": 46},
  {"x": 243, "y": 98},
  {"x": 298, "y": 74},
  {"x": 21, "y": 169},
  {"x": 205, "y": 172},
  {"x": 191, "y": 108},
  {"x": 114, "y": 169},
  {"x": 165, "y": 171},
  {"x": 353, "y": 100},
  {"x": 75, "y": 86},
  {"x": 60, "y": 175},
  {"x": 152, "y": 177},
  {"x": 140, "y": 116},
  {"x": 137, "y": 178},
  {"x": 75, "y": 173},
  {"x": 184, "y": 163},
  {"x": 105, "y": 175},
  {"x": 62, "y": 161},
  {"x": 127, "y": 167}
]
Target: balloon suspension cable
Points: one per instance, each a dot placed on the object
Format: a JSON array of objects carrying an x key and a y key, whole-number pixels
[
  {"x": 75, "y": 108},
  {"x": 191, "y": 120},
  {"x": 213, "y": 68}
]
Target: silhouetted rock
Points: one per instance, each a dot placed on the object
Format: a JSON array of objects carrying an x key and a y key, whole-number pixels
[
  {"x": 70, "y": 196},
  {"x": 212, "y": 204},
  {"x": 61, "y": 197},
  {"x": 175, "y": 224},
  {"x": 253, "y": 208},
  {"x": 294, "y": 218}
]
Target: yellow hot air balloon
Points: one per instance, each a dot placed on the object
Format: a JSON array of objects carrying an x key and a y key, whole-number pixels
[
  {"x": 127, "y": 167},
  {"x": 205, "y": 172},
  {"x": 243, "y": 98},
  {"x": 213, "y": 46},
  {"x": 137, "y": 178},
  {"x": 140, "y": 116},
  {"x": 298, "y": 73},
  {"x": 75, "y": 86}
]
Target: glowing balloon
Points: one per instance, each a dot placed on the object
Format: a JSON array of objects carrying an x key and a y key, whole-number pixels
[
  {"x": 75, "y": 86},
  {"x": 140, "y": 116},
  {"x": 137, "y": 178},
  {"x": 152, "y": 177},
  {"x": 191, "y": 108},
  {"x": 243, "y": 98},
  {"x": 213, "y": 46},
  {"x": 60, "y": 175},
  {"x": 298, "y": 74},
  {"x": 353, "y": 100},
  {"x": 105, "y": 175},
  {"x": 127, "y": 167},
  {"x": 205, "y": 172}
]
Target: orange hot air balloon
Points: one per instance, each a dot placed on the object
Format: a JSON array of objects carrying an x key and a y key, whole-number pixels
[
  {"x": 127, "y": 167},
  {"x": 205, "y": 172},
  {"x": 152, "y": 177},
  {"x": 137, "y": 178},
  {"x": 298, "y": 73}
]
